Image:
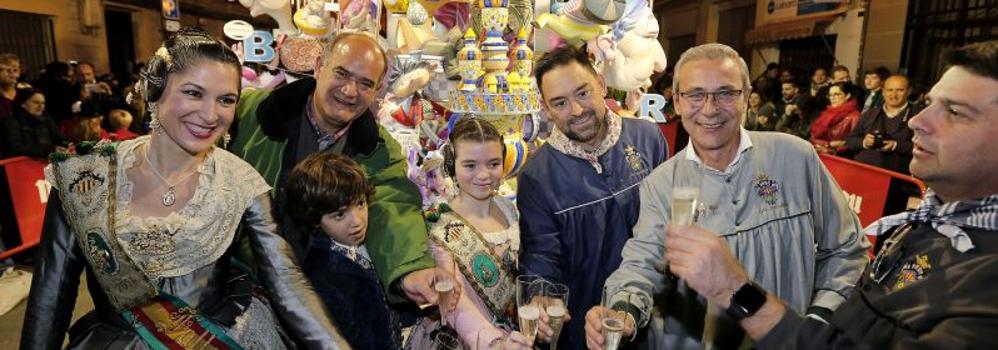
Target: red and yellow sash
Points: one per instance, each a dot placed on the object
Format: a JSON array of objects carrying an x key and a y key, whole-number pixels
[{"x": 167, "y": 323}]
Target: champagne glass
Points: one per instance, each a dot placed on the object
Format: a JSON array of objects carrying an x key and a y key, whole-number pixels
[
  {"x": 556, "y": 295},
  {"x": 613, "y": 331},
  {"x": 528, "y": 309},
  {"x": 685, "y": 202},
  {"x": 613, "y": 325},
  {"x": 445, "y": 293}
]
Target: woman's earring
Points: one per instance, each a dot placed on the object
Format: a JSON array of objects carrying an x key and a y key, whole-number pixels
[
  {"x": 225, "y": 140},
  {"x": 154, "y": 124}
]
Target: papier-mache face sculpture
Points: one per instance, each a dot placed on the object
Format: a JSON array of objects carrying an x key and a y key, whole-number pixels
[
  {"x": 279, "y": 10},
  {"x": 631, "y": 53}
]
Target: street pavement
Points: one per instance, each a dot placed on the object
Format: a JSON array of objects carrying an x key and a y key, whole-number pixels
[{"x": 10, "y": 323}]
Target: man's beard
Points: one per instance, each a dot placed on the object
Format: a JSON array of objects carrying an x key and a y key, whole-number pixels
[{"x": 598, "y": 127}]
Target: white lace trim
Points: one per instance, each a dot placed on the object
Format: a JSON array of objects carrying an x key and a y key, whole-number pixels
[
  {"x": 511, "y": 234},
  {"x": 197, "y": 234},
  {"x": 256, "y": 328}
]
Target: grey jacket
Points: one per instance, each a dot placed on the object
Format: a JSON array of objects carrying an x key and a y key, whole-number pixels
[{"x": 782, "y": 214}]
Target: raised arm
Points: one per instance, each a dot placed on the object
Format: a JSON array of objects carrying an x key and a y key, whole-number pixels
[
  {"x": 397, "y": 238},
  {"x": 644, "y": 254}
]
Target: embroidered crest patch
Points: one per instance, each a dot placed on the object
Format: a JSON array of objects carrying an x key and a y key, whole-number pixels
[
  {"x": 485, "y": 269},
  {"x": 100, "y": 253},
  {"x": 766, "y": 188},
  {"x": 633, "y": 158},
  {"x": 86, "y": 181},
  {"x": 913, "y": 271},
  {"x": 453, "y": 231}
]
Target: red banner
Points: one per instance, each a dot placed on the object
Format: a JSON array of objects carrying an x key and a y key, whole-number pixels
[
  {"x": 29, "y": 193},
  {"x": 865, "y": 186},
  {"x": 671, "y": 132}
]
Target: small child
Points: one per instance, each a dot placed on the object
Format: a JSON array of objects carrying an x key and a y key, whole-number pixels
[
  {"x": 327, "y": 196},
  {"x": 119, "y": 123}
]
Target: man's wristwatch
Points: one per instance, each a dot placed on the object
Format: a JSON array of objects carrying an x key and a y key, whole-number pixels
[{"x": 746, "y": 301}]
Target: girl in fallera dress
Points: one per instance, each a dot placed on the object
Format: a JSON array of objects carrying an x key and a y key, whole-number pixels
[
  {"x": 174, "y": 233},
  {"x": 476, "y": 234}
]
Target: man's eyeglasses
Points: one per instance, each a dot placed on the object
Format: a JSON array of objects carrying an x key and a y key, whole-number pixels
[
  {"x": 723, "y": 97},
  {"x": 364, "y": 85}
]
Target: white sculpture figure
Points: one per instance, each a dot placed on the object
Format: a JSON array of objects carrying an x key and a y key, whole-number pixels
[
  {"x": 312, "y": 19},
  {"x": 414, "y": 29},
  {"x": 630, "y": 53},
  {"x": 279, "y": 10}
]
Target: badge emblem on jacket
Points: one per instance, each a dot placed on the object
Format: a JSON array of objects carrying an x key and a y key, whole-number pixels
[
  {"x": 766, "y": 188},
  {"x": 633, "y": 158},
  {"x": 913, "y": 271}
]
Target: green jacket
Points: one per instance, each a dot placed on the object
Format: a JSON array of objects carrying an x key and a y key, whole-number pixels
[{"x": 266, "y": 134}]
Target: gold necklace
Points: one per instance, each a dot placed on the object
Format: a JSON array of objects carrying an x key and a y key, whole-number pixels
[{"x": 169, "y": 197}]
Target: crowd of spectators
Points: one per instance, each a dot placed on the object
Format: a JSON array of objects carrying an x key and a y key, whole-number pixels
[
  {"x": 838, "y": 116},
  {"x": 69, "y": 103}
]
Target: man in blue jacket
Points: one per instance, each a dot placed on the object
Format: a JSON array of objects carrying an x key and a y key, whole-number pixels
[{"x": 578, "y": 195}]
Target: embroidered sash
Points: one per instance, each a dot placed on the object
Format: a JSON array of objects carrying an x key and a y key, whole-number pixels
[
  {"x": 491, "y": 279},
  {"x": 87, "y": 188},
  {"x": 169, "y": 323}
]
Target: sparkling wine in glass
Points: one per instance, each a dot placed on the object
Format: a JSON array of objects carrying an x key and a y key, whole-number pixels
[
  {"x": 445, "y": 292},
  {"x": 685, "y": 201},
  {"x": 529, "y": 316},
  {"x": 556, "y": 295},
  {"x": 529, "y": 292},
  {"x": 613, "y": 330}
]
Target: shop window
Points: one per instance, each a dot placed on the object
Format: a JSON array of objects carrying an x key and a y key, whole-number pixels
[
  {"x": 679, "y": 44},
  {"x": 31, "y": 37},
  {"x": 935, "y": 28},
  {"x": 732, "y": 26},
  {"x": 803, "y": 56}
]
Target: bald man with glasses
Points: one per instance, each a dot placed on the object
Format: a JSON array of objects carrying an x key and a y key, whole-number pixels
[{"x": 766, "y": 195}]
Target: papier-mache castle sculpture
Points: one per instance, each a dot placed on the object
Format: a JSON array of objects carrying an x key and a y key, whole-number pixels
[
  {"x": 491, "y": 88},
  {"x": 487, "y": 89}
]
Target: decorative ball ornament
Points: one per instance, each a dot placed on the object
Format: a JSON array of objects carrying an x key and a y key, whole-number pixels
[{"x": 516, "y": 154}]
